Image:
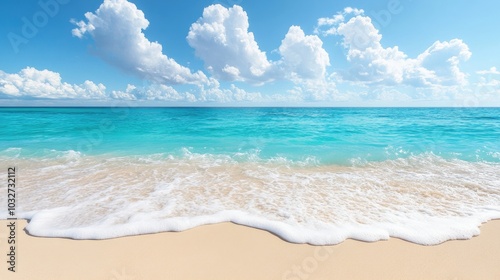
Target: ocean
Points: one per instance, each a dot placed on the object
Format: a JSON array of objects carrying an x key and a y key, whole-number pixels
[{"x": 308, "y": 175}]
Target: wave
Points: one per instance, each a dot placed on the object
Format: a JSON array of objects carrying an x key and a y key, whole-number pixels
[{"x": 423, "y": 198}]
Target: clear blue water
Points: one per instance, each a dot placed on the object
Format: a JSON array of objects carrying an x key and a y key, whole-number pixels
[
  {"x": 309, "y": 175},
  {"x": 330, "y": 135}
]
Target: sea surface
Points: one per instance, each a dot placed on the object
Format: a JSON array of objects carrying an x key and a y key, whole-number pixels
[{"x": 308, "y": 175}]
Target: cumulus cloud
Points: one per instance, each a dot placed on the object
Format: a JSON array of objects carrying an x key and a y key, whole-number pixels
[
  {"x": 220, "y": 37},
  {"x": 304, "y": 61},
  {"x": 213, "y": 92},
  {"x": 488, "y": 82},
  {"x": 303, "y": 56},
  {"x": 222, "y": 40},
  {"x": 157, "y": 92},
  {"x": 369, "y": 60},
  {"x": 327, "y": 25},
  {"x": 33, "y": 83},
  {"x": 315, "y": 90},
  {"x": 117, "y": 30},
  {"x": 371, "y": 63},
  {"x": 492, "y": 71},
  {"x": 439, "y": 64}
]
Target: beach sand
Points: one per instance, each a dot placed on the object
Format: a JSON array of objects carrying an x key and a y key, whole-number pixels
[{"x": 229, "y": 251}]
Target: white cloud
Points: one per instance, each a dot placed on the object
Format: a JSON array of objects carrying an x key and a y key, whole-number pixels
[
  {"x": 439, "y": 63},
  {"x": 33, "y": 83},
  {"x": 222, "y": 40},
  {"x": 492, "y": 71},
  {"x": 304, "y": 62},
  {"x": 214, "y": 93},
  {"x": 488, "y": 81},
  {"x": 388, "y": 94},
  {"x": 331, "y": 23},
  {"x": 117, "y": 30},
  {"x": 157, "y": 92},
  {"x": 209, "y": 92},
  {"x": 239, "y": 94},
  {"x": 315, "y": 90},
  {"x": 491, "y": 85},
  {"x": 303, "y": 56},
  {"x": 369, "y": 60},
  {"x": 371, "y": 63}
]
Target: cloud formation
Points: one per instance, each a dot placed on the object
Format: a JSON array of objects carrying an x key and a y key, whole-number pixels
[
  {"x": 222, "y": 40},
  {"x": 213, "y": 92},
  {"x": 303, "y": 56},
  {"x": 209, "y": 92},
  {"x": 489, "y": 81},
  {"x": 328, "y": 26},
  {"x": 33, "y": 83},
  {"x": 439, "y": 64},
  {"x": 157, "y": 92},
  {"x": 371, "y": 63},
  {"x": 492, "y": 71},
  {"x": 117, "y": 30}
]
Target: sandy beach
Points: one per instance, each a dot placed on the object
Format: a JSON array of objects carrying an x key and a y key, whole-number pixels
[{"x": 230, "y": 251}]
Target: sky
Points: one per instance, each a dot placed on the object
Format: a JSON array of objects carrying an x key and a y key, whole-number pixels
[{"x": 249, "y": 53}]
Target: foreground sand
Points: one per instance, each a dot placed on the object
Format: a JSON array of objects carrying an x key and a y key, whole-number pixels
[{"x": 229, "y": 251}]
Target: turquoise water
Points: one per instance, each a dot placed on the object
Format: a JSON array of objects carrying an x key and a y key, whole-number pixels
[
  {"x": 309, "y": 175},
  {"x": 330, "y": 136}
]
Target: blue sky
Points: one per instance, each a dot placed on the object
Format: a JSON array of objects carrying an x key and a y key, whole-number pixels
[{"x": 250, "y": 53}]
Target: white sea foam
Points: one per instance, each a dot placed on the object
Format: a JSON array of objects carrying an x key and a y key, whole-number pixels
[{"x": 424, "y": 199}]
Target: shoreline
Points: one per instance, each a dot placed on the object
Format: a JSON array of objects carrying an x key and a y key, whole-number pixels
[{"x": 231, "y": 251}]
